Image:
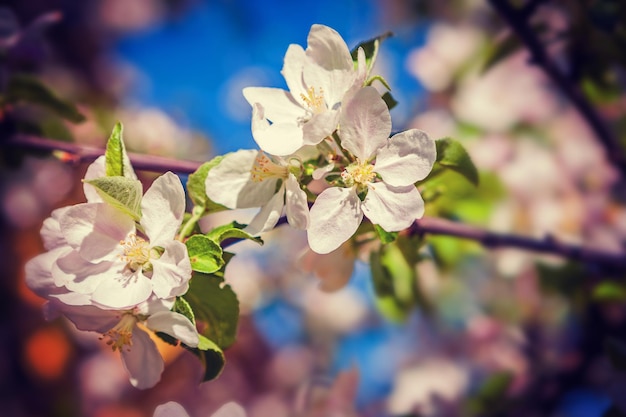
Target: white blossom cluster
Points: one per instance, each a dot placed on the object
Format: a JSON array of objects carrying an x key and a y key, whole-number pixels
[
  {"x": 333, "y": 116},
  {"x": 108, "y": 272}
]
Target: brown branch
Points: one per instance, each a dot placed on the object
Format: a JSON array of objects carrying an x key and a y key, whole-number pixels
[
  {"x": 517, "y": 19},
  {"x": 81, "y": 153},
  {"x": 426, "y": 225}
]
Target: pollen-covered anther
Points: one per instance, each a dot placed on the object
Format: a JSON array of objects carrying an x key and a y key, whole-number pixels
[
  {"x": 358, "y": 173},
  {"x": 315, "y": 102},
  {"x": 121, "y": 335},
  {"x": 264, "y": 168},
  {"x": 136, "y": 252}
]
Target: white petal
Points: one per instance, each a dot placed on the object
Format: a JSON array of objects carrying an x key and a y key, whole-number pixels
[
  {"x": 267, "y": 218},
  {"x": 172, "y": 271},
  {"x": 230, "y": 409},
  {"x": 73, "y": 298},
  {"x": 408, "y": 157},
  {"x": 38, "y": 272},
  {"x": 328, "y": 49},
  {"x": 320, "y": 126},
  {"x": 95, "y": 230},
  {"x": 77, "y": 274},
  {"x": 365, "y": 123},
  {"x": 162, "y": 208},
  {"x": 334, "y": 269},
  {"x": 122, "y": 290},
  {"x": 174, "y": 324},
  {"x": 170, "y": 409},
  {"x": 142, "y": 361},
  {"x": 230, "y": 182},
  {"x": 279, "y": 105},
  {"x": 296, "y": 204},
  {"x": 95, "y": 170},
  {"x": 279, "y": 138},
  {"x": 393, "y": 208},
  {"x": 90, "y": 318},
  {"x": 51, "y": 230},
  {"x": 335, "y": 216},
  {"x": 294, "y": 62}
]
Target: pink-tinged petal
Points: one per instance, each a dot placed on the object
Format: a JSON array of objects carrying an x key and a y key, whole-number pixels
[
  {"x": 170, "y": 409},
  {"x": 294, "y": 62},
  {"x": 51, "y": 230},
  {"x": 334, "y": 269},
  {"x": 279, "y": 106},
  {"x": 176, "y": 325},
  {"x": 122, "y": 290},
  {"x": 90, "y": 318},
  {"x": 393, "y": 208},
  {"x": 95, "y": 230},
  {"x": 297, "y": 207},
  {"x": 408, "y": 157},
  {"x": 73, "y": 298},
  {"x": 267, "y": 218},
  {"x": 230, "y": 182},
  {"x": 77, "y": 274},
  {"x": 162, "y": 208},
  {"x": 328, "y": 49},
  {"x": 320, "y": 126},
  {"x": 95, "y": 170},
  {"x": 39, "y": 272},
  {"x": 335, "y": 216},
  {"x": 279, "y": 138},
  {"x": 142, "y": 361},
  {"x": 231, "y": 409},
  {"x": 172, "y": 271},
  {"x": 365, "y": 123}
]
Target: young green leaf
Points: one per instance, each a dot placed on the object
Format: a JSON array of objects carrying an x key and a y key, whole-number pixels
[
  {"x": 385, "y": 236},
  {"x": 123, "y": 193},
  {"x": 211, "y": 357},
  {"x": 181, "y": 306},
  {"x": 215, "y": 307},
  {"x": 370, "y": 47},
  {"x": 452, "y": 155},
  {"x": 197, "y": 189},
  {"x": 389, "y": 100},
  {"x": 231, "y": 230},
  {"x": 205, "y": 255},
  {"x": 117, "y": 162},
  {"x": 25, "y": 88},
  {"x": 393, "y": 284}
]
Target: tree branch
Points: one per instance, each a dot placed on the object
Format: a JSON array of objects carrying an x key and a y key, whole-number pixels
[
  {"x": 517, "y": 20},
  {"x": 426, "y": 225}
]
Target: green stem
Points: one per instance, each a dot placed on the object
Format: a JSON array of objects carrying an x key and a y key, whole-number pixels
[{"x": 196, "y": 214}]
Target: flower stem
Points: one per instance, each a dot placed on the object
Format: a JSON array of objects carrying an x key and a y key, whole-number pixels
[{"x": 187, "y": 229}]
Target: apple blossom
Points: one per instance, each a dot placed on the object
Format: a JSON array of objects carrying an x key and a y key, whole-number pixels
[
  {"x": 120, "y": 329},
  {"x": 318, "y": 79},
  {"x": 173, "y": 409},
  {"x": 385, "y": 170},
  {"x": 115, "y": 264},
  {"x": 249, "y": 178}
]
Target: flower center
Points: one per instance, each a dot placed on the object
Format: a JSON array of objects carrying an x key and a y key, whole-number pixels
[
  {"x": 358, "y": 173},
  {"x": 137, "y": 252},
  {"x": 264, "y": 168},
  {"x": 122, "y": 333},
  {"x": 313, "y": 100}
]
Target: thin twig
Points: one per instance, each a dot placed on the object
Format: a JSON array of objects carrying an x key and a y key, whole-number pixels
[
  {"x": 517, "y": 20},
  {"x": 426, "y": 225}
]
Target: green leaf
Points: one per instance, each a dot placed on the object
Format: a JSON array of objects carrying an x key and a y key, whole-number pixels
[
  {"x": 385, "y": 236},
  {"x": 197, "y": 189},
  {"x": 215, "y": 307},
  {"x": 389, "y": 100},
  {"x": 370, "y": 47},
  {"x": 25, "y": 88},
  {"x": 452, "y": 155},
  {"x": 394, "y": 283},
  {"x": 123, "y": 193},
  {"x": 211, "y": 357},
  {"x": 117, "y": 162},
  {"x": 609, "y": 291},
  {"x": 181, "y": 306},
  {"x": 205, "y": 255},
  {"x": 231, "y": 230}
]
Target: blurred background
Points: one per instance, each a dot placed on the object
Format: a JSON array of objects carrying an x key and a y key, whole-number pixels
[{"x": 487, "y": 332}]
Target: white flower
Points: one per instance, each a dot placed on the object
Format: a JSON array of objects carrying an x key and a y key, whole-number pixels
[
  {"x": 385, "y": 169},
  {"x": 318, "y": 78},
  {"x": 139, "y": 353},
  {"x": 173, "y": 409},
  {"x": 118, "y": 266},
  {"x": 249, "y": 178}
]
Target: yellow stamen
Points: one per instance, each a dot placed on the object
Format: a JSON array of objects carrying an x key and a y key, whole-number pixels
[
  {"x": 137, "y": 253},
  {"x": 315, "y": 102},
  {"x": 358, "y": 173},
  {"x": 264, "y": 169},
  {"x": 121, "y": 335}
]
